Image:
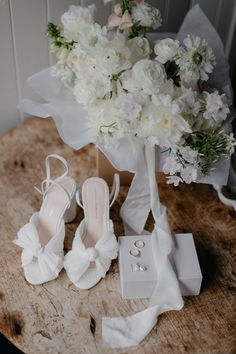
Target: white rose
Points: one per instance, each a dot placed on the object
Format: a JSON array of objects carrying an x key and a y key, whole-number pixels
[
  {"x": 146, "y": 15},
  {"x": 166, "y": 49},
  {"x": 76, "y": 19},
  {"x": 146, "y": 76},
  {"x": 140, "y": 49}
]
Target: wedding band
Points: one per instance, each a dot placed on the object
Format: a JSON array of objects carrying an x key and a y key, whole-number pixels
[
  {"x": 135, "y": 252},
  {"x": 143, "y": 267},
  {"x": 139, "y": 243},
  {"x": 135, "y": 267},
  {"x": 139, "y": 267}
]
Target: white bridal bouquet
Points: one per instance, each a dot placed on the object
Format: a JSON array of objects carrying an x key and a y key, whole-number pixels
[{"x": 136, "y": 88}]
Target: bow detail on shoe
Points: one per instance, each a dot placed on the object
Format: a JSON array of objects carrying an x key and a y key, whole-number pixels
[
  {"x": 77, "y": 261},
  {"x": 48, "y": 261}
]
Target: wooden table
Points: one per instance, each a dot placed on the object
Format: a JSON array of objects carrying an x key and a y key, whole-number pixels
[{"x": 56, "y": 317}]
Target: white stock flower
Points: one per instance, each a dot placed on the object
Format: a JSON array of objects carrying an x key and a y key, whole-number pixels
[
  {"x": 87, "y": 91},
  {"x": 140, "y": 49},
  {"x": 146, "y": 15},
  {"x": 196, "y": 60},
  {"x": 76, "y": 19},
  {"x": 91, "y": 35},
  {"x": 188, "y": 100},
  {"x": 64, "y": 73},
  {"x": 166, "y": 50},
  {"x": 162, "y": 121},
  {"x": 85, "y": 65},
  {"x": 189, "y": 174},
  {"x": 104, "y": 114},
  {"x": 175, "y": 180},
  {"x": 171, "y": 165},
  {"x": 131, "y": 104},
  {"x": 188, "y": 155},
  {"x": 216, "y": 108},
  {"x": 146, "y": 76}
]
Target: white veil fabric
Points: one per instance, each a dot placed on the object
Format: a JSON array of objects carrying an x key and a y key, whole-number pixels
[{"x": 133, "y": 155}]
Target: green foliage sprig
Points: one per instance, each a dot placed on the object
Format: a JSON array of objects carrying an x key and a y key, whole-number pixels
[
  {"x": 210, "y": 145},
  {"x": 126, "y": 6},
  {"x": 54, "y": 33}
]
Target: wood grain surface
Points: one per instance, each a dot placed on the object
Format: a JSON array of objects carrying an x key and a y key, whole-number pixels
[{"x": 56, "y": 317}]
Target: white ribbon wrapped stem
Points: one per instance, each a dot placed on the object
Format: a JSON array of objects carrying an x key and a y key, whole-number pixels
[{"x": 120, "y": 332}]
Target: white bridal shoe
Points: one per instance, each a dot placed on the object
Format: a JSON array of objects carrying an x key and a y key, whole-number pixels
[
  {"x": 95, "y": 244},
  {"x": 42, "y": 239}
]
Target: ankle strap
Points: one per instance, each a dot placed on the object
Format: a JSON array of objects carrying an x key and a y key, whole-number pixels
[
  {"x": 48, "y": 167},
  {"x": 115, "y": 189},
  {"x": 113, "y": 195},
  {"x": 47, "y": 183}
]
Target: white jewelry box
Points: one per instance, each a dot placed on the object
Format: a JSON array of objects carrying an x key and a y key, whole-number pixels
[{"x": 140, "y": 284}]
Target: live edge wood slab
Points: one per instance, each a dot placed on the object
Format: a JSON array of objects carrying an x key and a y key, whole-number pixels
[{"x": 59, "y": 318}]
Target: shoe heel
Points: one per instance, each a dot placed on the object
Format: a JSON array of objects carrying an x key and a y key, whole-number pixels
[{"x": 71, "y": 213}]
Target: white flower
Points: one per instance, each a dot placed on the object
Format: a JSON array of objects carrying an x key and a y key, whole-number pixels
[
  {"x": 91, "y": 35},
  {"x": 216, "y": 108},
  {"x": 162, "y": 121},
  {"x": 189, "y": 99},
  {"x": 113, "y": 58},
  {"x": 104, "y": 115},
  {"x": 188, "y": 155},
  {"x": 146, "y": 15},
  {"x": 139, "y": 48},
  {"x": 146, "y": 76},
  {"x": 64, "y": 74},
  {"x": 131, "y": 104},
  {"x": 85, "y": 65},
  {"x": 171, "y": 165},
  {"x": 175, "y": 180},
  {"x": 197, "y": 60},
  {"x": 76, "y": 19},
  {"x": 87, "y": 91},
  {"x": 189, "y": 174},
  {"x": 166, "y": 50}
]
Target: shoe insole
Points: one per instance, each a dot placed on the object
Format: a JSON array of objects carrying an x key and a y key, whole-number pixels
[
  {"x": 95, "y": 196},
  {"x": 53, "y": 208}
]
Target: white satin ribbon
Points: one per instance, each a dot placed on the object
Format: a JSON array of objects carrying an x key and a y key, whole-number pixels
[
  {"x": 49, "y": 263},
  {"x": 77, "y": 261},
  {"x": 120, "y": 332}
]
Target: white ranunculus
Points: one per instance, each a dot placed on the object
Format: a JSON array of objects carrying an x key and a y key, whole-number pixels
[
  {"x": 140, "y": 49},
  {"x": 76, "y": 19},
  {"x": 87, "y": 91},
  {"x": 146, "y": 15},
  {"x": 114, "y": 57},
  {"x": 162, "y": 122},
  {"x": 146, "y": 76},
  {"x": 166, "y": 50}
]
